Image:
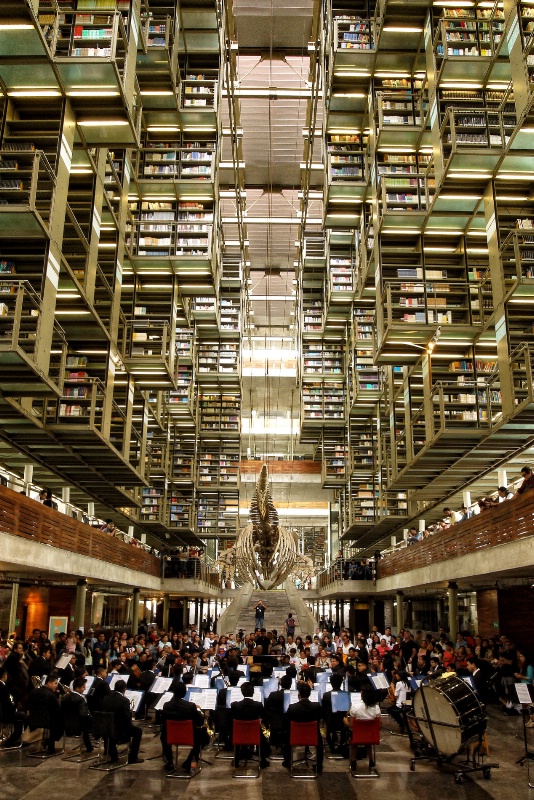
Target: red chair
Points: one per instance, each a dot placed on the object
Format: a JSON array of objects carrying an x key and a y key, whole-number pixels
[
  {"x": 246, "y": 733},
  {"x": 179, "y": 733},
  {"x": 303, "y": 734},
  {"x": 366, "y": 732}
]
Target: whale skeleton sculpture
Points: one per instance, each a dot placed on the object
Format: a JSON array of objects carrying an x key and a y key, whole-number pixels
[{"x": 264, "y": 551}]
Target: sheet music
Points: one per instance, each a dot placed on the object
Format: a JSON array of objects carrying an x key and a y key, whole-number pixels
[
  {"x": 89, "y": 680},
  {"x": 380, "y": 681},
  {"x": 63, "y": 660},
  {"x": 207, "y": 699},
  {"x": 165, "y": 697},
  {"x": 314, "y": 696},
  {"x": 340, "y": 701},
  {"x": 270, "y": 686},
  {"x": 241, "y": 681},
  {"x": 290, "y": 697},
  {"x": 258, "y": 694},
  {"x": 135, "y": 698},
  {"x": 202, "y": 680},
  {"x": 523, "y": 694},
  {"x": 112, "y": 679},
  {"x": 161, "y": 685}
]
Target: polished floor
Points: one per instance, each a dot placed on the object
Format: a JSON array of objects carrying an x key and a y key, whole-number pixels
[{"x": 23, "y": 778}]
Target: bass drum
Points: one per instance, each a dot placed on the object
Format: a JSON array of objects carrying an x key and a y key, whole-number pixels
[{"x": 449, "y": 709}]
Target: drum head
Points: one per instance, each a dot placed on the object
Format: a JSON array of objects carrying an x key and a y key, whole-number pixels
[{"x": 451, "y": 715}]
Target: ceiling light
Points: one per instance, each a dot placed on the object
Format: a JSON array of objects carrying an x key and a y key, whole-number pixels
[
  {"x": 92, "y": 93},
  {"x": 349, "y": 94},
  {"x": 97, "y": 123},
  {"x": 16, "y": 26},
  {"x": 163, "y": 129},
  {"x": 156, "y": 92},
  {"x": 517, "y": 177},
  {"x": 394, "y": 29},
  {"x": 35, "y": 93},
  {"x": 230, "y": 165}
]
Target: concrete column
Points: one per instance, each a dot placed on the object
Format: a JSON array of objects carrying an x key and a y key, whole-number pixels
[
  {"x": 97, "y": 609},
  {"x": 79, "y": 608},
  {"x": 393, "y": 541},
  {"x": 65, "y": 494},
  {"x": 466, "y": 496},
  {"x": 28, "y": 478},
  {"x": 165, "y": 612},
  {"x": 452, "y": 592},
  {"x": 13, "y": 608},
  {"x": 400, "y": 610},
  {"x": 502, "y": 477},
  {"x": 371, "y": 613},
  {"x": 135, "y": 611},
  {"x": 200, "y": 614},
  {"x": 91, "y": 509},
  {"x": 421, "y": 526}
]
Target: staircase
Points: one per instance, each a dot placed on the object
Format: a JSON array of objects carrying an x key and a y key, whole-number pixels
[{"x": 277, "y": 607}]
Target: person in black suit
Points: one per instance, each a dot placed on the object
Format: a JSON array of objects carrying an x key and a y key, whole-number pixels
[
  {"x": 99, "y": 690},
  {"x": 223, "y": 715},
  {"x": 274, "y": 711},
  {"x": 76, "y": 714},
  {"x": 10, "y": 714},
  {"x": 181, "y": 710},
  {"x": 68, "y": 673},
  {"x": 41, "y": 664},
  {"x": 246, "y": 710},
  {"x": 479, "y": 679},
  {"x": 44, "y": 710},
  {"x": 335, "y": 727},
  {"x": 303, "y": 711},
  {"x": 125, "y": 731},
  {"x": 144, "y": 682}
]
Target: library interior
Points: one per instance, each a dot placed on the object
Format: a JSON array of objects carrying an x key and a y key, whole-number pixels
[{"x": 266, "y": 397}]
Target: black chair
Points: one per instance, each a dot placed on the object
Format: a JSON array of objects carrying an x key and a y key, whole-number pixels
[
  {"x": 6, "y": 730},
  {"x": 40, "y": 719},
  {"x": 104, "y": 730},
  {"x": 72, "y": 730}
]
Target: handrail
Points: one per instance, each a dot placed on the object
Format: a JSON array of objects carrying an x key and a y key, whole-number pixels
[
  {"x": 26, "y": 518},
  {"x": 510, "y": 521}
]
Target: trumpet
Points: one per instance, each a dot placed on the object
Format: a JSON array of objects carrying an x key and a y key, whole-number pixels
[{"x": 266, "y": 729}]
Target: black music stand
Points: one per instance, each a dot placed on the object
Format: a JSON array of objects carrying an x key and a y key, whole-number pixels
[{"x": 528, "y": 756}]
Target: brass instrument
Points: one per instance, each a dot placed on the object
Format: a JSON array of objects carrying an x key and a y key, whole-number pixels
[
  {"x": 37, "y": 681},
  {"x": 62, "y": 690},
  {"x": 266, "y": 729}
]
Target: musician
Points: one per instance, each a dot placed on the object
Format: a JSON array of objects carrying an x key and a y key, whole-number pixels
[
  {"x": 180, "y": 709},
  {"x": 144, "y": 681},
  {"x": 43, "y": 704},
  {"x": 18, "y": 680},
  {"x": 125, "y": 731},
  {"x": 358, "y": 678},
  {"x": 232, "y": 665},
  {"x": 250, "y": 709},
  {"x": 76, "y": 713},
  {"x": 366, "y": 708},
  {"x": 99, "y": 690},
  {"x": 436, "y": 668},
  {"x": 223, "y": 715},
  {"x": 10, "y": 714},
  {"x": 68, "y": 672},
  {"x": 481, "y": 684},
  {"x": 335, "y": 729},
  {"x": 42, "y": 664},
  {"x": 398, "y": 697},
  {"x": 336, "y": 664},
  {"x": 303, "y": 711},
  {"x": 274, "y": 710}
]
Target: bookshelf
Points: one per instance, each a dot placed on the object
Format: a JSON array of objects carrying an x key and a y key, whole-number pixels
[
  {"x": 323, "y": 401},
  {"x": 323, "y": 357},
  {"x": 168, "y": 228},
  {"x": 180, "y": 509},
  {"x": 218, "y": 464},
  {"x": 183, "y": 452},
  {"x": 219, "y": 413},
  {"x": 217, "y": 514},
  {"x": 217, "y": 358}
]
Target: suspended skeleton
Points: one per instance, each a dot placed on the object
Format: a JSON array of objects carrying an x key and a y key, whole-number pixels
[{"x": 265, "y": 552}]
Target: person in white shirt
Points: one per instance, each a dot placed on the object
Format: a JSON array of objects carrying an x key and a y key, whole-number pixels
[
  {"x": 401, "y": 693},
  {"x": 314, "y": 647},
  {"x": 363, "y": 707},
  {"x": 453, "y": 516},
  {"x": 346, "y": 644},
  {"x": 390, "y": 641}
]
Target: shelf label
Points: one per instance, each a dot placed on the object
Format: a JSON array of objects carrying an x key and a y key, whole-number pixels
[
  {"x": 65, "y": 152},
  {"x": 500, "y": 328},
  {"x": 52, "y": 270},
  {"x": 513, "y": 33},
  {"x": 96, "y": 222}
]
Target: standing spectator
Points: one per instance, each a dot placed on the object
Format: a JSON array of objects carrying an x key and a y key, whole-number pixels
[
  {"x": 528, "y": 481},
  {"x": 290, "y": 625},
  {"x": 504, "y": 494},
  {"x": 259, "y": 613}
]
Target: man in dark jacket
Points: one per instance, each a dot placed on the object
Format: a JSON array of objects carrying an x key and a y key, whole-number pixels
[
  {"x": 125, "y": 731},
  {"x": 223, "y": 715},
  {"x": 246, "y": 710},
  {"x": 274, "y": 711},
  {"x": 335, "y": 727},
  {"x": 181, "y": 710},
  {"x": 99, "y": 690},
  {"x": 10, "y": 714},
  {"x": 303, "y": 711},
  {"x": 44, "y": 710},
  {"x": 76, "y": 714}
]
